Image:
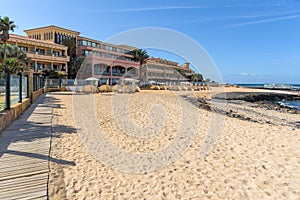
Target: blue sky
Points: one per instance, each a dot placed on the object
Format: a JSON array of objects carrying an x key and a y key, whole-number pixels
[{"x": 251, "y": 41}]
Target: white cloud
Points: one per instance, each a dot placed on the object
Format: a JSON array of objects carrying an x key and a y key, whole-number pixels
[
  {"x": 266, "y": 20},
  {"x": 247, "y": 74},
  {"x": 152, "y": 9}
]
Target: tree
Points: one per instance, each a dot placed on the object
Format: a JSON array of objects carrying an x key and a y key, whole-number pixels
[
  {"x": 5, "y": 26},
  {"x": 52, "y": 74},
  {"x": 15, "y": 61},
  {"x": 139, "y": 55},
  {"x": 75, "y": 62},
  {"x": 71, "y": 44},
  {"x": 75, "y": 65},
  {"x": 207, "y": 80},
  {"x": 197, "y": 78}
]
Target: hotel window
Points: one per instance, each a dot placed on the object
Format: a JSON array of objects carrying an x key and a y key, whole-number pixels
[
  {"x": 97, "y": 53},
  {"x": 121, "y": 50},
  {"x": 86, "y": 52},
  {"x": 24, "y": 49},
  {"x": 55, "y": 67},
  {"x": 39, "y": 66},
  {"x": 49, "y": 52},
  {"x": 84, "y": 43},
  {"x": 56, "y": 53},
  {"x": 40, "y": 51},
  {"x": 97, "y": 69}
]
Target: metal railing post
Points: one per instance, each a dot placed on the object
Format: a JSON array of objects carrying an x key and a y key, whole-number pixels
[
  {"x": 20, "y": 87},
  {"x": 27, "y": 88},
  {"x": 7, "y": 89}
]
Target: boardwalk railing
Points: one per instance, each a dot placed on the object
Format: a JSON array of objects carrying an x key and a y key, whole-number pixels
[{"x": 20, "y": 86}]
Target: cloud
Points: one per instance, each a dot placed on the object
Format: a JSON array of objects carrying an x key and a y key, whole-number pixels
[
  {"x": 152, "y": 9},
  {"x": 236, "y": 17},
  {"x": 247, "y": 74},
  {"x": 266, "y": 20}
]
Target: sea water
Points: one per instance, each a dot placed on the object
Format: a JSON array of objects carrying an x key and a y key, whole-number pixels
[
  {"x": 292, "y": 86},
  {"x": 290, "y": 104}
]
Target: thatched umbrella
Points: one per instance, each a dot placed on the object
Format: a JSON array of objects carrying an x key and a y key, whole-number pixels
[
  {"x": 116, "y": 88},
  {"x": 105, "y": 88},
  {"x": 154, "y": 87},
  {"x": 90, "y": 89}
]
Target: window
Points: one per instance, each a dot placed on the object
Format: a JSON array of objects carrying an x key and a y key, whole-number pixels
[
  {"x": 49, "y": 52},
  {"x": 40, "y": 51},
  {"x": 55, "y": 67},
  {"x": 39, "y": 66},
  {"x": 97, "y": 69},
  {"x": 24, "y": 49},
  {"x": 121, "y": 50},
  {"x": 56, "y": 53}
]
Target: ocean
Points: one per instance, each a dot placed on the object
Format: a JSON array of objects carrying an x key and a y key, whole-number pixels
[
  {"x": 285, "y": 103},
  {"x": 274, "y": 86}
]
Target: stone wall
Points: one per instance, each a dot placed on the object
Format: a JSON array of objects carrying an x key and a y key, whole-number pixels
[
  {"x": 36, "y": 94},
  {"x": 8, "y": 116}
]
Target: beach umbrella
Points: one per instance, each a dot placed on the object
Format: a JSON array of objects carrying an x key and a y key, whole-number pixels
[
  {"x": 91, "y": 79},
  {"x": 75, "y": 82}
]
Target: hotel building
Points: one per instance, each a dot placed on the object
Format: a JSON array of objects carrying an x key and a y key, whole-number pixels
[
  {"x": 162, "y": 70},
  {"x": 43, "y": 54},
  {"x": 108, "y": 62}
]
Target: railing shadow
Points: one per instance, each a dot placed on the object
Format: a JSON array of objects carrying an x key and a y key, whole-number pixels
[{"x": 30, "y": 128}]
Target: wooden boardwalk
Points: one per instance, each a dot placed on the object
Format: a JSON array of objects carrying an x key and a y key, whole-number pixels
[{"x": 24, "y": 153}]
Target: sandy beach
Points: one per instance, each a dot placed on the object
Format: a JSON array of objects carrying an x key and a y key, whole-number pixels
[{"x": 256, "y": 153}]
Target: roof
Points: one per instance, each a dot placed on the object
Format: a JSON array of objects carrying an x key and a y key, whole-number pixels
[
  {"x": 14, "y": 36},
  {"x": 126, "y": 47},
  {"x": 54, "y": 27}
]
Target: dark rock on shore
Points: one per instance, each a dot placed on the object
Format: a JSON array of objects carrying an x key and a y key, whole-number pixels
[{"x": 255, "y": 96}]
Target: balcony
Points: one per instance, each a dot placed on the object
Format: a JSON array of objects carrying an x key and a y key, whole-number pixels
[{"x": 48, "y": 57}]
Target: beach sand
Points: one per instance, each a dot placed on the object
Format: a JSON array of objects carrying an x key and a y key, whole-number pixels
[{"x": 250, "y": 160}]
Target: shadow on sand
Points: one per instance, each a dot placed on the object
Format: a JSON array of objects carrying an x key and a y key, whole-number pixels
[{"x": 35, "y": 124}]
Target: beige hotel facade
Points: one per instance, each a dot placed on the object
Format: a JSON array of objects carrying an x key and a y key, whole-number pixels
[{"x": 109, "y": 62}]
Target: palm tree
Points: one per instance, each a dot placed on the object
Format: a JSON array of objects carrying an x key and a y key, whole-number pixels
[
  {"x": 197, "y": 78},
  {"x": 16, "y": 60},
  {"x": 139, "y": 55},
  {"x": 13, "y": 65},
  {"x": 71, "y": 44},
  {"x": 5, "y": 26}
]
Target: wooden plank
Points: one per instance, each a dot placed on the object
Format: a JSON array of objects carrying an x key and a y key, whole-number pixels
[
  {"x": 23, "y": 193},
  {"x": 24, "y": 179},
  {"x": 24, "y": 150},
  {"x": 30, "y": 165}
]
